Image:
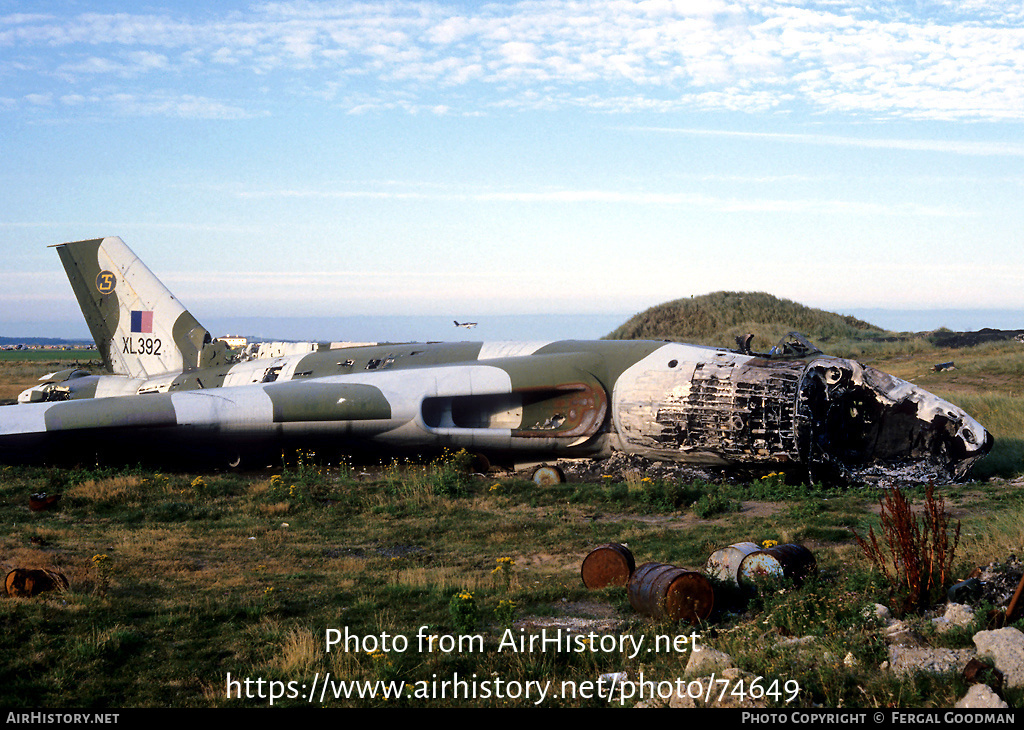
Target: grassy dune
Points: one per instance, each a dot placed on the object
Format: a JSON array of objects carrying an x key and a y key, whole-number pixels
[{"x": 717, "y": 319}]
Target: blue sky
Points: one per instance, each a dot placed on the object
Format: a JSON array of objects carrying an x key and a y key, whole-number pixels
[{"x": 467, "y": 159}]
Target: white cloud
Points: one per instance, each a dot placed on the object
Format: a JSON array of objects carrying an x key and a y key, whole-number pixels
[
  {"x": 934, "y": 60},
  {"x": 165, "y": 104}
]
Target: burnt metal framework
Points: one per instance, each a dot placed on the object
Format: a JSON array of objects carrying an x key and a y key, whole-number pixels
[{"x": 745, "y": 412}]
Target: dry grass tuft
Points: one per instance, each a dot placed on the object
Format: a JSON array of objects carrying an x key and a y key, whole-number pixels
[
  {"x": 119, "y": 489},
  {"x": 300, "y": 653},
  {"x": 274, "y": 510},
  {"x": 442, "y": 578}
]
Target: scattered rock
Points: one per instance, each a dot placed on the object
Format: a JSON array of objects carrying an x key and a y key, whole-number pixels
[
  {"x": 882, "y": 613},
  {"x": 908, "y": 659},
  {"x": 979, "y": 697},
  {"x": 887, "y": 476},
  {"x": 570, "y": 624},
  {"x": 957, "y": 615},
  {"x": 708, "y": 661},
  {"x": 1006, "y": 647},
  {"x": 900, "y": 633},
  {"x": 797, "y": 641},
  {"x": 619, "y": 466}
]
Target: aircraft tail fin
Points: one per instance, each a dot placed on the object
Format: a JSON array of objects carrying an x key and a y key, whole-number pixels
[{"x": 140, "y": 328}]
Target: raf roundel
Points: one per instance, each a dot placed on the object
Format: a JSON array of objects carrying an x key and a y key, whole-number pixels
[{"x": 105, "y": 281}]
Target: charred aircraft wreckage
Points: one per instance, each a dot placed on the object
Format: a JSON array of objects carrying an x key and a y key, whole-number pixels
[{"x": 177, "y": 393}]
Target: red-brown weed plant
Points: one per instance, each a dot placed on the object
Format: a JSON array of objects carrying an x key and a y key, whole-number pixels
[{"x": 917, "y": 559}]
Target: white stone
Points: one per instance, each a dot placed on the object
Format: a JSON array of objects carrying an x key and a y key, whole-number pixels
[
  {"x": 708, "y": 661},
  {"x": 1006, "y": 647},
  {"x": 980, "y": 696}
]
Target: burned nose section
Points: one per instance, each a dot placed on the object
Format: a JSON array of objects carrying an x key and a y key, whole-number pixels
[
  {"x": 859, "y": 424},
  {"x": 839, "y": 419}
]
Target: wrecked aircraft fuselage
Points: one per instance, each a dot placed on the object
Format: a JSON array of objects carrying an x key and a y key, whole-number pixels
[
  {"x": 177, "y": 393},
  {"x": 520, "y": 402},
  {"x": 832, "y": 415}
]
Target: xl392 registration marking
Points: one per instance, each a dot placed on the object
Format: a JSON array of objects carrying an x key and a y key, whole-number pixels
[{"x": 142, "y": 345}]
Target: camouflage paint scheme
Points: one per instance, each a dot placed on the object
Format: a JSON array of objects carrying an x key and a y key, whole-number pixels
[{"x": 176, "y": 392}]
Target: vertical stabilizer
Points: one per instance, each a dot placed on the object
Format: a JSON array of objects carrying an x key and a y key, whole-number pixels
[{"x": 140, "y": 329}]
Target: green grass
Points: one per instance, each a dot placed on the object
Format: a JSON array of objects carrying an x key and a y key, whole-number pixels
[
  {"x": 245, "y": 573},
  {"x": 82, "y": 355},
  {"x": 217, "y": 573}
]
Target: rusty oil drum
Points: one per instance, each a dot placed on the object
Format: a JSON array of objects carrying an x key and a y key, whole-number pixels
[
  {"x": 607, "y": 565},
  {"x": 665, "y": 591},
  {"x": 782, "y": 561},
  {"x": 725, "y": 564},
  {"x": 27, "y": 582}
]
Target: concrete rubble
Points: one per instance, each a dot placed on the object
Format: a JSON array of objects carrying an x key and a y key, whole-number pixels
[{"x": 997, "y": 658}]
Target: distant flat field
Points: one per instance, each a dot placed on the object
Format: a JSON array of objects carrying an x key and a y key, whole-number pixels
[
  {"x": 20, "y": 369},
  {"x": 48, "y": 355}
]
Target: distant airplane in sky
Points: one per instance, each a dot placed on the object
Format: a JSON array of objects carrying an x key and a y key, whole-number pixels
[{"x": 466, "y": 325}]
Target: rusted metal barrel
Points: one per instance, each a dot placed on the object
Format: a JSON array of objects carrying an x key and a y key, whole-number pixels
[
  {"x": 782, "y": 561},
  {"x": 724, "y": 564},
  {"x": 665, "y": 591},
  {"x": 26, "y": 582},
  {"x": 607, "y": 565},
  {"x": 42, "y": 501}
]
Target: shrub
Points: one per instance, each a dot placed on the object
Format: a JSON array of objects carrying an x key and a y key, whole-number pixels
[
  {"x": 463, "y": 611},
  {"x": 451, "y": 473},
  {"x": 714, "y": 503},
  {"x": 920, "y": 557}
]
